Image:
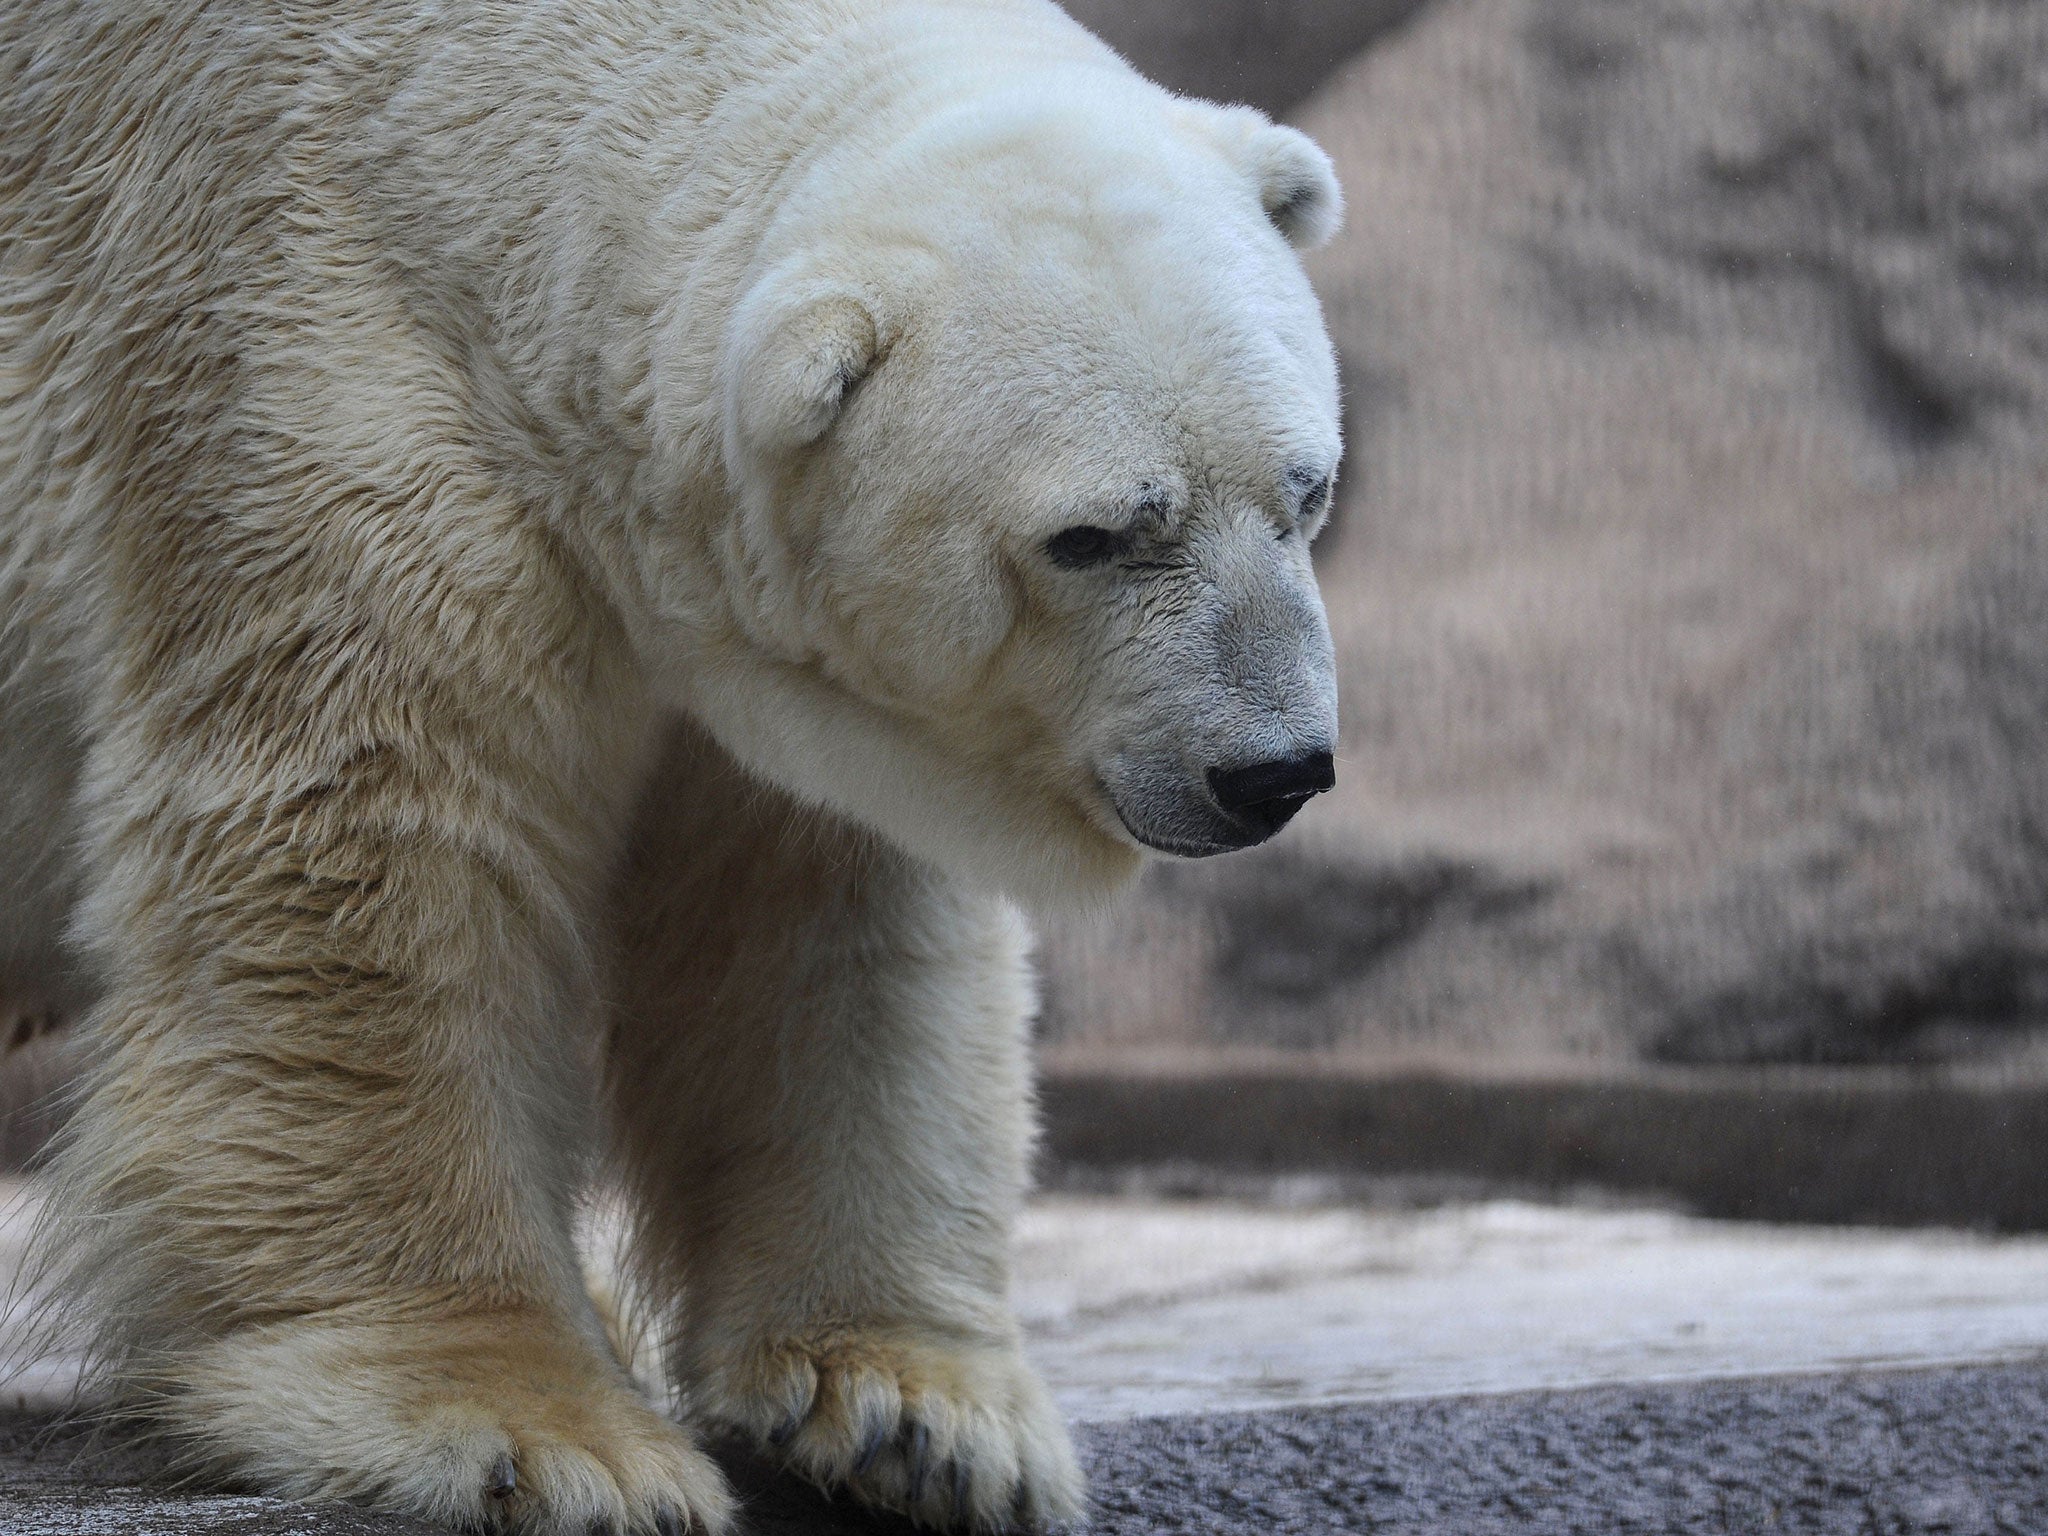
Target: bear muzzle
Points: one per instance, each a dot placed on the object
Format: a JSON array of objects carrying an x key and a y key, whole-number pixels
[{"x": 1220, "y": 810}]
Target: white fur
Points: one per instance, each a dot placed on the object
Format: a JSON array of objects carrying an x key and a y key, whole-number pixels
[{"x": 451, "y": 453}]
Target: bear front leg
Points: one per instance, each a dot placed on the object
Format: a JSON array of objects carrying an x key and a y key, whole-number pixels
[
  {"x": 319, "y": 1193},
  {"x": 822, "y": 1095}
]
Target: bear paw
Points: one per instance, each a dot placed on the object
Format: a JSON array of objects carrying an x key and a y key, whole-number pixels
[
  {"x": 953, "y": 1433},
  {"x": 503, "y": 1423}
]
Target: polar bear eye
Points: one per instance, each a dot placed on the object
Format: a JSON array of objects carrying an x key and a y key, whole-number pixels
[{"x": 1074, "y": 548}]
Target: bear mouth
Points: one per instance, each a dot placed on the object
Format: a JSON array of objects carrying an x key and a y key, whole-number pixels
[{"x": 1214, "y": 831}]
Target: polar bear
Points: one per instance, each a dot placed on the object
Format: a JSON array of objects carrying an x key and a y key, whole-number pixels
[{"x": 566, "y": 564}]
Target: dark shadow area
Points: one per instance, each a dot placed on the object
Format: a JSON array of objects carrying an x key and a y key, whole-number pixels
[
  {"x": 1292, "y": 929},
  {"x": 1839, "y": 1145},
  {"x": 1271, "y": 53}
]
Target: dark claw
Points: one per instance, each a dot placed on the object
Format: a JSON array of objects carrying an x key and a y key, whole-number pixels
[
  {"x": 503, "y": 1479},
  {"x": 870, "y": 1448},
  {"x": 667, "y": 1522},
  {"x": 961, "y": 1487},
  {"x": 920, "y": 1454}
]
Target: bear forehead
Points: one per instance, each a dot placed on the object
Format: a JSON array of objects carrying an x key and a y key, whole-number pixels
[
  {"x": 1065, "y": 417},
  {"x": 1121, "y": 167},
  {"x": 1175, "y": 375},
  {"x": 1092, "y": 288}
]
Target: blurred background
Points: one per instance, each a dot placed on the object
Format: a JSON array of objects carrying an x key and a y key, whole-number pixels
[{"x": 1689, "y": 571}]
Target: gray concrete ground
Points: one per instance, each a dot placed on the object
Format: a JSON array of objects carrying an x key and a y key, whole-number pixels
[
  {"x": 1955, "y": 1452},
  {"x": 1963, "y": 1452},
  {"x": 1281, "y": 1368}
]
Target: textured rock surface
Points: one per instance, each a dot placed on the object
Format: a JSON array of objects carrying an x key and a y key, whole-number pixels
[
  {"x": 1957, "y": 1452},
  {"x": 1691, "y": 569},
  {"x": 1923, "y": 1453}
]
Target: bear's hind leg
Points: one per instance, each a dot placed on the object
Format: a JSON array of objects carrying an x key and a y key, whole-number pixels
[{"x": 822, "y": 1096}]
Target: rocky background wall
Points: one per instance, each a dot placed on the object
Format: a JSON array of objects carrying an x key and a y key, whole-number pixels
[{"x": 1690, "y": 569}]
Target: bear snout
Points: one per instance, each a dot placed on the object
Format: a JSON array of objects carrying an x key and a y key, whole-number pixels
[{"x": 1194, "y": 813}]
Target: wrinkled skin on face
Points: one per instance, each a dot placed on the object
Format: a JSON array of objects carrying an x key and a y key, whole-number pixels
[
  {"x": 1219, "y": 719},
  {"x": 1049, "y": 550}
]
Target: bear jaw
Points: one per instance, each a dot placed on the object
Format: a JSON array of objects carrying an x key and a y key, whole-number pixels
[{"x": 1043, "y": 849}]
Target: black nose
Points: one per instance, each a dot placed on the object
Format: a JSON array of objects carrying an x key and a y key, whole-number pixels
[{"x": 1265, "y": 795}]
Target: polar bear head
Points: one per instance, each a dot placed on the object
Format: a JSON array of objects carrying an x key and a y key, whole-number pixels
[{"x": 1029, "y": 420}]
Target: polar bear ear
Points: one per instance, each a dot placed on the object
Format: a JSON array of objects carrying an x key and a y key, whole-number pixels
[
  {"x": 1297, "y": 184},
  {"x": 1298, "y": 189},
  {"x": 794, "y": 358}
]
